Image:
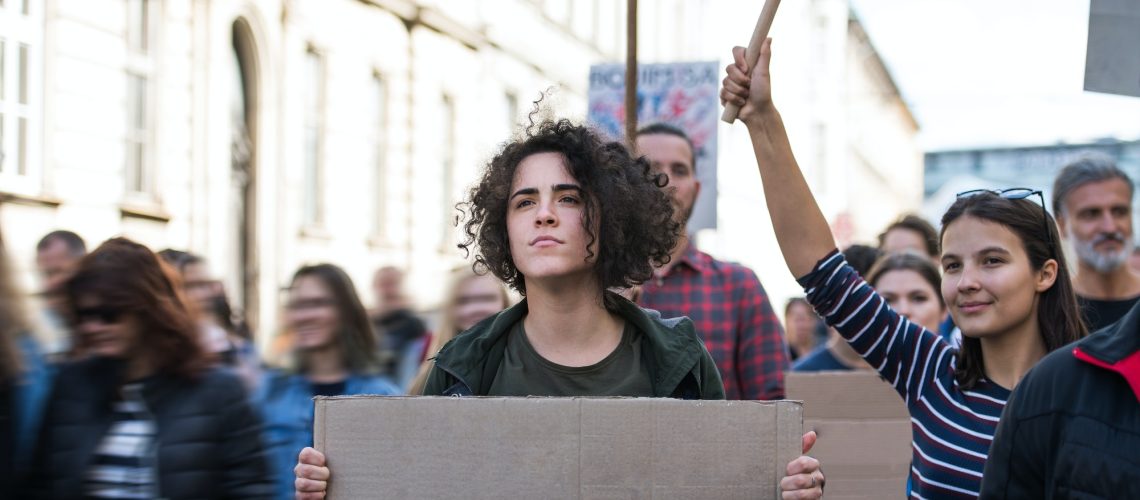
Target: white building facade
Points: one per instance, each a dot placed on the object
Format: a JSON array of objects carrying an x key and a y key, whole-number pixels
[{"x": 267, "y": 134}]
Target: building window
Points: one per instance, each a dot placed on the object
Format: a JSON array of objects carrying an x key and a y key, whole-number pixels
[
  {"x": 447, "y": 136},
  {"x": 21, "y": 85},
  {"x": 379, "y": 148},
  {"x": 314, "y": 118},
  {"x": 139, "y": 139}
]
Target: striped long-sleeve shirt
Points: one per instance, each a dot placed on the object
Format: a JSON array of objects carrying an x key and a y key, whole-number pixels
[{"x": 951, "y": 428}]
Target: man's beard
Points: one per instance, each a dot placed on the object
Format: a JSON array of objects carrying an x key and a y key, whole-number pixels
[
  {"x": 1103, "y": 262},
  {"x": 682, "y": 213}
]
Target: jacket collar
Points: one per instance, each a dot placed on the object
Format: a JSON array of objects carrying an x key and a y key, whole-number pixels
[
  {"x": 672, "y": 347},
  {"x": 1116, "y": 348}
]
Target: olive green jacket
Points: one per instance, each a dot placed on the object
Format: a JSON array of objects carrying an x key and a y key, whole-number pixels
[{"x": 679, "y": 365}]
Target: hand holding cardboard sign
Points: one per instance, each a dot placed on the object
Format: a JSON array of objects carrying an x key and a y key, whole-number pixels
[
  {"x": 312, "y": 475},
  {"x": 804, "y": 478}
]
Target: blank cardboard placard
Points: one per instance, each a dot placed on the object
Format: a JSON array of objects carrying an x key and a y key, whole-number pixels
[
  {"x": 1112, "y": 60},
  {"x": 439, "y": 447},
  {"x": 864, "y": 431}
]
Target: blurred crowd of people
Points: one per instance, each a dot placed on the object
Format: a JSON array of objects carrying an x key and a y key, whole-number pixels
[
  {"x": 158, "y": 388},
  {"x": 153, "y": 352}
]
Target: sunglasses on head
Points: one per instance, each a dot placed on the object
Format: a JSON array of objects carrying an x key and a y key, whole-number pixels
[
  {"x": 103, "y": 314},
  {"x": 1020, "y": 193}
]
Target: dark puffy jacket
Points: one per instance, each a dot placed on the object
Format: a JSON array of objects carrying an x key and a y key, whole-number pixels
[
  {"x": 679, "y": 365},
  {"x": 208, "y": 436},
  {"x": 1071, "y": 429}
]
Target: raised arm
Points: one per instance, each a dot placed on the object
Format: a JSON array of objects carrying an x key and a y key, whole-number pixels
[
  {"x": 902, "y": 352},
  {"x": 801, "y": 229}
]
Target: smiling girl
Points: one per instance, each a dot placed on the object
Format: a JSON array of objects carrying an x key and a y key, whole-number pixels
[
  {"x": 334, "y": 354},
  {"x": 1005, "y": 283}
]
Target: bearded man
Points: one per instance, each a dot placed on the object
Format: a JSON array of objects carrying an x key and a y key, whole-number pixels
[{"x": 1092, "y": 201}]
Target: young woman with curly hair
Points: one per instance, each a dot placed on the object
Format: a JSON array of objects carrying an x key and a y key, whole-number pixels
[{"x": 564, "y": 217}]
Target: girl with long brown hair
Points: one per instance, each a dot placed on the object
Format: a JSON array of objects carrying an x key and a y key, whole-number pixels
[
  {"x": 1005, "y": 282},
  {"x": 144, "y": 414},
  {"x": 334, "y": 354}
]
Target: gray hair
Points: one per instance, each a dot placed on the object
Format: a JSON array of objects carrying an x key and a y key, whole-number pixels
[{"x": 1089, "y": 168}]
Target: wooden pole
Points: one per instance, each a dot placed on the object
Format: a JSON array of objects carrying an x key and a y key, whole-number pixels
[{"x": 631, "y": 73}]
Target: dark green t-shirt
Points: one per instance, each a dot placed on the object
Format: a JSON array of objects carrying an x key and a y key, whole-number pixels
[{"x": 524, "y": 372}]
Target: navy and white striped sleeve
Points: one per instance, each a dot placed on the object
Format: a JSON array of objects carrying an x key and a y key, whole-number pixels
[{"x": 904, "y": 353}]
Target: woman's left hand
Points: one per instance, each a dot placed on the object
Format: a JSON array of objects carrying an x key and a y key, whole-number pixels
[{"x": 804, "y": 478}]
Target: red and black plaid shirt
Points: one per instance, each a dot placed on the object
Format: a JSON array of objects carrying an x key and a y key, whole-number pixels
[{"x": 734, "y": 317}]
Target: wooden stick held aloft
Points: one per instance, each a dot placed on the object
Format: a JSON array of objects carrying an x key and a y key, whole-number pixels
[{"x": 752, "y": 53}]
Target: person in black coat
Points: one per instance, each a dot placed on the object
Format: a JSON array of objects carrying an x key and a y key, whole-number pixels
[
  {"x": 144, "y": 414},
  {"x": 1071, "y": 429}
]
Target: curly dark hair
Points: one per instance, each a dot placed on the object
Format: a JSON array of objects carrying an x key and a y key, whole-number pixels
[{"x": 635, "y": 226}]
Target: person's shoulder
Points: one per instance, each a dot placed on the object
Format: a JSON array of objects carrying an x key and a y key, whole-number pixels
[
  {"x": 679, "y": 324},
  {"x": 1052, "y": 383},
  {"x": 736, "y": 274},
  {"x": 491, "y": 326},
  {"x": 221, "y": 382},
  {"x": 85, "y": 371},
  {"x": 817, "y": 360}
]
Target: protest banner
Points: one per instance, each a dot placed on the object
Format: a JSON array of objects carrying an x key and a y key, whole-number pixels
[{"x": 684, "y": 95}]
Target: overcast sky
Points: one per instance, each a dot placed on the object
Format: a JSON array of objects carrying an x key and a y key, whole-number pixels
[{"x": 995, "y": 72}]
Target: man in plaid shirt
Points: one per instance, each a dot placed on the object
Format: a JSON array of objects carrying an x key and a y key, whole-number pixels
[{"x": 726, "y": 301}]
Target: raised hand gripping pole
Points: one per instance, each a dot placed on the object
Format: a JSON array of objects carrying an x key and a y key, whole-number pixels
[{"x": 752, "y": 53}]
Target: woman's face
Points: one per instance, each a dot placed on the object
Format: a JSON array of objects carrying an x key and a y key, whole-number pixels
[
  {"x": 801, "y": 323},
  {"x": 199, "y": 287},
  {"x": 478, "y": 298},
  {"x": 544, "y": 219},
  {"x": 105, "y": 330},
  {"x": 988, "y": 282},
  {"x": 311, "y": 313},
  {"x": 901, "y": 239},
  {"x": 910, "y": 295}
]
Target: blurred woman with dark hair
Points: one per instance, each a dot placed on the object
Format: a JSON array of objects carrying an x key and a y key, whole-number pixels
[
  {"x": 334, "y": 354},
  {"x": 144, "y": 415}
]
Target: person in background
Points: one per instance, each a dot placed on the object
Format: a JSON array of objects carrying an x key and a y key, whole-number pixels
[
  {"x": 564, "y": 217},
  {"x": 911, "y": 285},
  {"x": 57, "y": 254},
  {"x": 834, "y": 353},
  {"x": 143, "y": 415},
  {"x": 25, "y": 379},
  {"x": 223, "y": 332},
  {"x": 728, "y": 305},
  {"x": 1005, "y": 280},
  {"x": 402, "y": 335},
  {"x": 471, "y": 298},
  {"x": 1093, "y": 202},
  {"x": 1071, "y": 429},
  {"x": 334, "y": 354},
  {"x": 800, "y": 325},
  {"x": 910, "y": 233}
]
